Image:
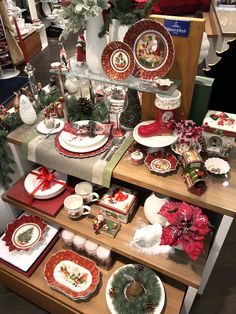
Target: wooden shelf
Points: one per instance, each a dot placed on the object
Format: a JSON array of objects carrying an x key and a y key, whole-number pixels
[
  {"x": 177, "y": 266},
  {"x": 36, "y": 289}
]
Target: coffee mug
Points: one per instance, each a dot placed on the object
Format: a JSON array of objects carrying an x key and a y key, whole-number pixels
[
  {"x": 85, "y": 190},
  {"x": 74, "y": 207}
]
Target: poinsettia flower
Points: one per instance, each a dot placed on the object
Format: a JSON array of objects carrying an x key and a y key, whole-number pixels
[{"x": 188, "y": 226}]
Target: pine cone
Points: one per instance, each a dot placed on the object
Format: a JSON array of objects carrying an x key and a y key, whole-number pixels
[{"x": 84, "y": 105}]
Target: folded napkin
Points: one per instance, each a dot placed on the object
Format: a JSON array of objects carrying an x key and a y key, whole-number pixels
[{"x": 90, "y": 128}]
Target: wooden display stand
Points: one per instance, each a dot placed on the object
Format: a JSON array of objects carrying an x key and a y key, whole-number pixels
[{"x": 184, "y": 68}]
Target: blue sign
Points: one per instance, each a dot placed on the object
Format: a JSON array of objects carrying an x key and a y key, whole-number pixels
[{"x": 178, "y": 28}]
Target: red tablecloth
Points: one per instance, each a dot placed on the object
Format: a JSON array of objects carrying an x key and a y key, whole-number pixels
[{"x": 180, "y": 7}]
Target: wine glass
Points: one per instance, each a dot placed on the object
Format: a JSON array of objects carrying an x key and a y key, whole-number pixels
[{"x": 117, "y": 104}]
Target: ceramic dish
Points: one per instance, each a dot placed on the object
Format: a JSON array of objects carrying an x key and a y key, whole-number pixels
[
  {"x": 110, "y": 288},
  {"x": 153, "y": 141},
  {"x": 152, "y": 47},
  {"x": 24, "y": 233},
  {"x": 56, "y": 187},
  {"x": 46, "y": 8},
  {"x": 118, "y": 60},
  {"x": 217, "y": 166},
  {"x": 44, "y": 130},
  {"x": 161, "y": 162},
  {"x": 72, "y": 274}
]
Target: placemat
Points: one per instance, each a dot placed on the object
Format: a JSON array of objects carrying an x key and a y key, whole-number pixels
[{"x": 37, "y": 148}]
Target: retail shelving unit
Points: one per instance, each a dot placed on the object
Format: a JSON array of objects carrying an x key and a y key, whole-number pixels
[{"x": 182, "y": 277}]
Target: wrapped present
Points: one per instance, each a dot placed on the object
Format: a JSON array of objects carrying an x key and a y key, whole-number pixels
[{"x": 118, "y": 203}]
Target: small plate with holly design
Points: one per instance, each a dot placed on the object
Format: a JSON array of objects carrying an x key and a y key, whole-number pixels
[{"x": 24, "y": 233}]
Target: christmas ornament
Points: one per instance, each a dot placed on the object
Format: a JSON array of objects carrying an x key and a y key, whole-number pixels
[
  {"x": 27, "y": 112},
  {"x": 72, "y": 85},
  {"x": 80, "y": 47},
  {"x": 84, "y": 105},
  {"x": 130, "y": 117},
  {"x": 63, "y": 58}
]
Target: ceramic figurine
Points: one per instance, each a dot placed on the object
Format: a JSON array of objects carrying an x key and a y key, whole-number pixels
[
  {"x": 27, "y": 112},
  {"x": 63, "y": 58},
  {"x": 49, "y": 123},
  {"x": 80, "y": 47},
  {"x": 98, "y": 222}
]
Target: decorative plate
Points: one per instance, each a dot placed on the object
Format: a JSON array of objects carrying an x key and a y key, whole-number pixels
[
  {"x": 69, "y": 153},
  {"x": 161, "y": 162},
  {"x": 152, "y": 47},
  {"x": 125, "y": 273},
  {"x": 72, "y": 274},
  {"x": 44, "y": 130},
  {"x": 217, "y": 165},
  {"x": 118, "y": 60},
  {"x": 33, "y": 180},
  {"x": 153, "y": 141},
  {"x": 24, "y": 233}
]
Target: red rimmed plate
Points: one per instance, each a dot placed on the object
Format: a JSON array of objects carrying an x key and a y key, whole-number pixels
[
  {"x": 93, "y": 153},
  {"x": 118, "y": 60},
  {"x": 161, "y": 162},
  {"x": 152, "y": 47},
  {"x": 72, "y": 274},
  {"x": 24, "y": 233}
]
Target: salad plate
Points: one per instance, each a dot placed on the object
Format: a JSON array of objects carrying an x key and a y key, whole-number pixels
[
  {"x": 161, "y": 162},
  {"x": 35, "y": 179},
  {"x": 41, "y": 127},
  {"x": 152, "y": 47},
  {"x": 72, "y": 274},
  {"x": 24, "y": 233},
  {"x": 118, "y": 60},
  {"x": 127, "y": 273}
]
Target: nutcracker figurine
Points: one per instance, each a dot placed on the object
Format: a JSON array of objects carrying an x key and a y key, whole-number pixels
[
  {"x": 80, "y": 47},
  {"x": 65, "y": 64}
]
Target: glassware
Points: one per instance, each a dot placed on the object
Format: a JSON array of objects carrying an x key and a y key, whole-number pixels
[{"x": 117, "y": 104}]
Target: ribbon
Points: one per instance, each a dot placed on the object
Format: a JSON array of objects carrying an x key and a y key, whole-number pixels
[{"x": 47, "y": 178}]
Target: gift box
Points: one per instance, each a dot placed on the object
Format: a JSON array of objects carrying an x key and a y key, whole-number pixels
[{"x": 119, "y": 203}]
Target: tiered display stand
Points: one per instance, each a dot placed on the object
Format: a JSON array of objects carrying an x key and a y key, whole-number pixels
[{"x": 182, "y": 277}]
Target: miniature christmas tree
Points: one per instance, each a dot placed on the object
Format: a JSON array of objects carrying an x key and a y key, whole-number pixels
[{"x": 132, "y": 114}]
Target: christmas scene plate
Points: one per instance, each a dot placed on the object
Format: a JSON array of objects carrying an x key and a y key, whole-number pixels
[
  {"x": 152, "y": 294},
  {"x": 24, "y": 233},
  {"x": 41, "y": 127},
  {"x": 161, "y": 162},
  {"x": 72, "y": 274},
  {"x": 152, "y": 47},
  {"x": 43, "y": 183},
  {"x": 118, "y": 60},
  {"x": 153, "y": 141}
]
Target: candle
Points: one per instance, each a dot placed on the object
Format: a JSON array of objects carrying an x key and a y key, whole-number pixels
[
  {"x": 78, "y": 243},
  {"x": 103, "y": 256},
  {"x": 90, "y": 248},
  {"x": 21, "y": 42},
  {"x": 67, "y": 238}
]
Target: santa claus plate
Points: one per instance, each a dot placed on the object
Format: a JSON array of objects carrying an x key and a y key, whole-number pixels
[
  {"x": 43, "y": 183},
  {"x": 118, "y": 60},
  {"x": 161, "y": 162},
  {"x": 24, "y": 233},
  {"x": 152, "y": 47},
  {"x": 72, "y": 274}
]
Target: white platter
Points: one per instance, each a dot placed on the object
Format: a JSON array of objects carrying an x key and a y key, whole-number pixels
[
  {"x": 153, "y": 141},
  {"x": 110, "y": 305},
  {"x": 44, "y": 130},
  {"x": 31, "y": 182},
  {"x": 46, "y": 8}
]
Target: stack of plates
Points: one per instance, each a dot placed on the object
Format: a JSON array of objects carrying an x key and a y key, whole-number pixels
[{"x": 72, "y": 274}]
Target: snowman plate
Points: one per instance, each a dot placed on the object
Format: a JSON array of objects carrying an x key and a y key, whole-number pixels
[{"x": 41, "y": 127}]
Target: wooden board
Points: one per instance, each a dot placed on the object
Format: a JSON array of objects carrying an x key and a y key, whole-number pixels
[{"x": 185, "y": 65}]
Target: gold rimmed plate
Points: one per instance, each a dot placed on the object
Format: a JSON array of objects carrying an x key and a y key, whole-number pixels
[
  {"x": 152, "y": 48},
  {"x": 118, "y": 60}
]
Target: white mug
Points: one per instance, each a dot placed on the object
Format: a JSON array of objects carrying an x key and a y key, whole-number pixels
[
  {"x": 85, "y": 190},
  {"x": 74, "y": 207}
]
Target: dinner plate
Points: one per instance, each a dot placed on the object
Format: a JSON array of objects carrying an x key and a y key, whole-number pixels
[
  {"x": 82, "y": 142},
  {"x": 44, "y": 130},
  {"x": 24, "y": 233},
  {"x": 152, "y": 48},
  {"x": 109, "y": 289},
  {"x": 118, "y": 60},
  {"x": 153, "y": 141},
  {"x": 46, "y": 8},
  {"x": 72, "y": 274},
  {"x": 31, "y": 183}
]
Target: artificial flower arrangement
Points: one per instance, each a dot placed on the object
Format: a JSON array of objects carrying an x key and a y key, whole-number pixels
[{"x": 188, "y": 227}]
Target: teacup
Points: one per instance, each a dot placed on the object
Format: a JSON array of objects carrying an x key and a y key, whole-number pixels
[
  {"x": 85, "y": 190},
  {"x": 74, "y": 207}
]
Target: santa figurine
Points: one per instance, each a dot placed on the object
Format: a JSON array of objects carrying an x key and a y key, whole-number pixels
[
  {"x": 98, "y": 222},
  {"x": 65, "y": 64},
  {"x": 80, "y": 47}
]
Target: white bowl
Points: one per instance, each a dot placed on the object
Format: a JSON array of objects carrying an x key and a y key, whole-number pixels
[{"x": 217, "y": 165}]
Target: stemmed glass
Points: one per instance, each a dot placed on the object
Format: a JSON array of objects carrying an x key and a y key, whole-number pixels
[{"x": 117, "y": 104}]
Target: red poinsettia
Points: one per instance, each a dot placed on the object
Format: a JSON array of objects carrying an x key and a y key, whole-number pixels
[
  {"x": 139, "y": 4},
  {"x": 187, "y": 226}
]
